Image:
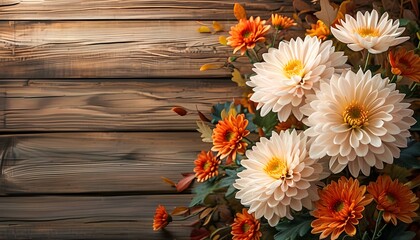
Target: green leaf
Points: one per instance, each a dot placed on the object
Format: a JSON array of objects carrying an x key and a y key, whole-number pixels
[
  {"x": 231, "y": 176},
  {"x": 404, "y": 22},
  {"x": 409, "y": 157},
  {"x": 290, "y": 230},
  {"x": 201, "y": 192},
  {"x": 267, "y": 123},
  {"x": 397, "y": 233}
]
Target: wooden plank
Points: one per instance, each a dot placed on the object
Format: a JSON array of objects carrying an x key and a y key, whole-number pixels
[
  {"x": 108, "y": 105},
  {"x": 134, "y": 9},
  {"x": 109, "y": 49},
  {"x": 97, "y": 162},
  {"x": 73, "y": 217}
]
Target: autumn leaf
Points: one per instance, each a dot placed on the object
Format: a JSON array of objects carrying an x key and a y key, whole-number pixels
[
  {"x": 237, "y": 77},
  {"x": 179, "y": 211},
  {"x": 180, "y": 111},
  {"x": 168, "y": 181},
  {"x": 203, "y": 117},
  {"x": 327, "y": 13},
  {"x": 204, "y": 29},
  {"x": 209, "y": 66},
  {"x": 239, "y": 11},
  {"x": 223, "y": 40},
  {"x": 205, "y": 130},
  {"x": 217, "y": 27},
  {"x": 185, "y": 182}
]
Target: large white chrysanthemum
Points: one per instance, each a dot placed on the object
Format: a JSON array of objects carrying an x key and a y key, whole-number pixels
[
  {"x": 369, "y": 32},
  {"x": 358, "y": 120},
  {"x": 292, "y": 71},
  {"x": 279, "y": 176}
]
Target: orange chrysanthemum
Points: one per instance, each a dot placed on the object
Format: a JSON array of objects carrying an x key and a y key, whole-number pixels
[
  {"x": 206, "y": 166},
  {"x": 281, "y": 22},
  {"x": 394, "y": 198},
  {"x": 161, "y": 219},
  {"x": 339, "y": 208},
  {"x": 319, "y": 30},
  {"x": 228, "y": 137},
  {"x": 405, "y": 63},
  {"x": 246, "y": 34},
  {"x": 245, "y": 227}
]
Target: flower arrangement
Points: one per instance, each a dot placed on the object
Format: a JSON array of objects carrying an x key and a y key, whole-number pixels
[{"x": 324, "y": 143}]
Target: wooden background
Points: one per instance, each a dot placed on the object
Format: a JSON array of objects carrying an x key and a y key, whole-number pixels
[{"x": 86, "y": 88}]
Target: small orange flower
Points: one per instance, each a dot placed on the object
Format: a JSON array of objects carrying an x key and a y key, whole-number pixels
[
  {"x": 319, "y": 30},
  {"x": 245, "y": 227},
  {"x": 246, "y": 34},
  {"x": 339, "y": 208},
  {"x": 206, "y": 166},
  {"x": 228, "y": 137},
  {"x": 161, "y": 219},
  {"x": 281, "y": 22},
  {"x": 405, "y": 63},
  {"x": 395, "y": 199}
]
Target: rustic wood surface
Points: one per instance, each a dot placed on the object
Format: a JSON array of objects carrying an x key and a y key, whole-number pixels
[
  {"x": 96, "y": 162},
  {"x": 86, "y": 130},
  {"x": 109, "y": 105},
  {"x": 134, "y": 9},
  {"x": 88, "y": 217}
]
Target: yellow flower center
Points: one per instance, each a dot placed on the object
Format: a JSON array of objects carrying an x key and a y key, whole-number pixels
[
  {"x": 229, "y": 136},
  {"x": 390, "y": 198},
  {"x": 206, "y": 165},
  {"x": 368, "y": 32},
  {"x": 293, "y": 68},
  {"x": 338, "y": 206},
  {"x": 276, "y": 168},
  {"x": 355, "y": 115},
  {"x": 245, "y": 227}
]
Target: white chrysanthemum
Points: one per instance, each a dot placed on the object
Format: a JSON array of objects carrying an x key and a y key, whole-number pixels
[
  {"x": 292, "y": 71},
  {"x": 279, "y": 176},
  {"x": 367, "y": 32},
  {"x": 358, "y": 120}
]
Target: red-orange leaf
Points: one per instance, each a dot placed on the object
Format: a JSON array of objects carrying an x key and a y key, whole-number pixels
[
  {"x": 239, "y": 11},
  {"x": 179, "y": 110},
  {"x": 185, "y": 182}
]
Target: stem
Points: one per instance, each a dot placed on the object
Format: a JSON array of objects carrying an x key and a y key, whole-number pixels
[
  {"x": 367, "y": 61},
  {"x": 380, "y": 231},
  {"x": 378, "y": 222},
  {"x": 274, "y": 38},
  {"x": 393, "y": 79},
  {"x": 413, "y": 86},
  {"x": 252, "y": 55}
]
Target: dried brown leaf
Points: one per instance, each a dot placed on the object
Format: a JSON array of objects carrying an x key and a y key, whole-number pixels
[
  {"x": 327, "y": 13},
  {"x": 168, "y": 181},
  {"x": 179, "y": 211}
]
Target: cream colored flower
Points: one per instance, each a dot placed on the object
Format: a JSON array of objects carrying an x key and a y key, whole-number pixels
[
  {"x": 369, "y": 32},
  {"x": 291, "y": 72},
  {"x": 279, "y": 176},
  {"x": 358, "y": 120}
]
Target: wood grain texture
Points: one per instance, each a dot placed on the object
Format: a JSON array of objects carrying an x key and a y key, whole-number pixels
[
  {"x": 108, "y": 105},
  {"x": 109, "y": 49},
  {"x": 73, "y": 217},
  {"x": 97, "y": 162},
  {"x": 134, "y": 9}
]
